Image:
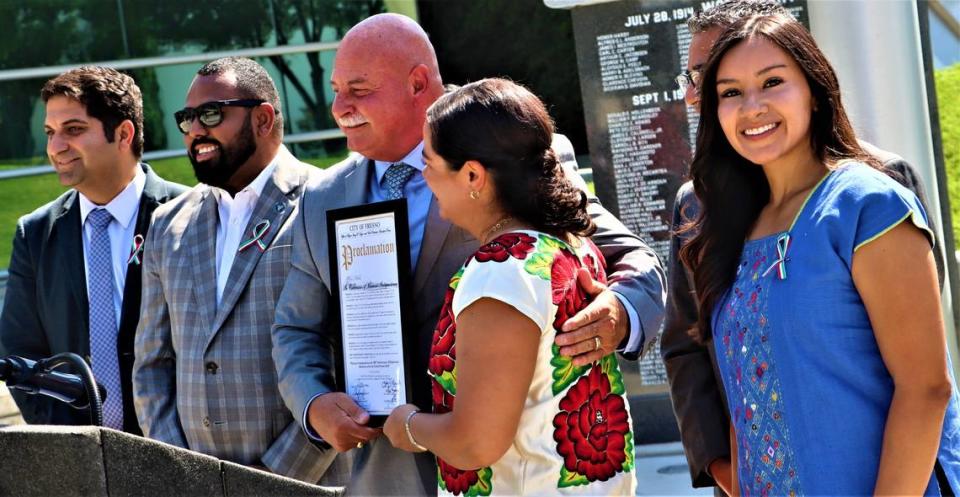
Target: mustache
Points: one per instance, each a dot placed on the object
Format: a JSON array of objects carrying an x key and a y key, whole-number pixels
[{"x": 351, "y": 120}]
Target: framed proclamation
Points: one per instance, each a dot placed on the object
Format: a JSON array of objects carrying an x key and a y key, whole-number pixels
[{"x": 370, "y": 274}]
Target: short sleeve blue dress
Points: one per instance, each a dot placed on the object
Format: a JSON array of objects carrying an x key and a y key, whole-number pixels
[{"x": 807, "y": 388}]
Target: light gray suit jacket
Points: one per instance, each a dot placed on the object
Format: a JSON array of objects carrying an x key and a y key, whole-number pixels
[
  {"x": 304, "y": 339},
  {"x": 204, "y": 378}
]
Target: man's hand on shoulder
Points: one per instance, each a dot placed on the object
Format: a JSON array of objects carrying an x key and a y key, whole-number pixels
[
  {"x": 598, "y": 329},
  {"x": 339, "y": 421}
]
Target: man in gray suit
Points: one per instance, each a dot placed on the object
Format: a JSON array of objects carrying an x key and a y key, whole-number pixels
[
  {"x": 214, "y": 264},
  {"x": 61, "y": 296},
  {"x": 385, "y": 77}
]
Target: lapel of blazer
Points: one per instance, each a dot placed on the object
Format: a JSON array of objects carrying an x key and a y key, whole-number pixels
[
  {"x": 66, "y": 240},
  {"x": 355, "y": 182},
  {"x": 200, "y": 242},
  {"x": 276, "y": 202},
  {"x": 348, "y": 190},
  {"x": 434, "y": 236},
  {"x": 153, "y": 194}
]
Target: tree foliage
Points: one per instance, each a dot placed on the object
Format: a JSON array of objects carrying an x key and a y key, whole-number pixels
[
  {"x": 54, "y": 32},
  {"x": 27, "y": 27},
  {"x": 208, "y": 25},
  {"x": 948, "y": 103}
]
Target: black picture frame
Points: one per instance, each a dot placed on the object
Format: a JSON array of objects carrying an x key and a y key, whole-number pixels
[{"x": 405, "y": 279}]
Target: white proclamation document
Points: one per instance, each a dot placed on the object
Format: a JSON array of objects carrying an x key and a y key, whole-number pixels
[{"x": 369, "y": 281}]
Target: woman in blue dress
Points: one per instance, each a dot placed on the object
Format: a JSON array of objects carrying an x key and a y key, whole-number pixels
[{"x": 818, "y": 281}]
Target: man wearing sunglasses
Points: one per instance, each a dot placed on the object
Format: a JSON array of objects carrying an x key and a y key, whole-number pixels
[
  {"x": 695, "y": 390},
  {"x": 74, "y": 281},
  {"x": 204, "y": 378}
]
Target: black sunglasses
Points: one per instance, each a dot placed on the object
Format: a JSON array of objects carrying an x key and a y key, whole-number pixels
[{"x": 210, "y": 114}]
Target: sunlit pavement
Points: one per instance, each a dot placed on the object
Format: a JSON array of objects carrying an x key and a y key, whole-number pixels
[
  {"x": 662, "y": 470},
  {"x": 9, "y": 415}
]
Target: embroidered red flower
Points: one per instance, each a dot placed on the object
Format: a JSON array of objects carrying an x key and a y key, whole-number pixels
[
  {"x": 567, "y": 294},
  {"x": 457, "y": 481},
  {"x": 590, "y": 428},
  {"x": 442, "y": 400},
  {"x": 597, "y": 266},
  {"x": 518, "y": 245},
  {"x": 443, "y": 352},
  {"x": 443, "y": 358}
]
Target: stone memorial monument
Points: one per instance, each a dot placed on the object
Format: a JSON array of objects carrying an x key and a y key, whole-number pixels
[{"x": 640, "y": 131}]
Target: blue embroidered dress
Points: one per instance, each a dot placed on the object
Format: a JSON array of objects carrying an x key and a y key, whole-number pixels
[{"x": 807, "y": 388}]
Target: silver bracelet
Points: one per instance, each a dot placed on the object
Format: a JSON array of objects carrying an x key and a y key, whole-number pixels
[{"x": 406, "y": 426}]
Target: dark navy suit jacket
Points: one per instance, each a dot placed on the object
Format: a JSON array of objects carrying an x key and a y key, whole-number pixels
[{"x": 45, "y": 310}]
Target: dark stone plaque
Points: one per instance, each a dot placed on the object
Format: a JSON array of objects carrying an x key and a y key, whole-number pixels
[{"x": 640, "y": 131}]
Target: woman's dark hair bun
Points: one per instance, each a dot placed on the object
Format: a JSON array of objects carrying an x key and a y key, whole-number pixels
[{"x": 506, "y": 128}]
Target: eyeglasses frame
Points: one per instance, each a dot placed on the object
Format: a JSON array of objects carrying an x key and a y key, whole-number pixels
[
  {"x": 188, "y": 114},
  {"x": 688, "y": 78}
]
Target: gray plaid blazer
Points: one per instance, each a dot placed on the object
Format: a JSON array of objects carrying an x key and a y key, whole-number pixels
[{"x": 204, "y": 378}]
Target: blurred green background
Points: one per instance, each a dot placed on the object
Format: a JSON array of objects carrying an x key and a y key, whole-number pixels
[{"x": 23, "y": 195}]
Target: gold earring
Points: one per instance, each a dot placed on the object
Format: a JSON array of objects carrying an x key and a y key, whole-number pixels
[{"x": 475, "y": 195}]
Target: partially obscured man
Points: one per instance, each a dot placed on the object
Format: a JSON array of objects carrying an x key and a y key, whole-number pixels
[
  {"x": 695, "y": 387},
  {"x": 215, "y": 262},
  {"x": 385, "y": 77},
  {"x": 74, "y": 281}
]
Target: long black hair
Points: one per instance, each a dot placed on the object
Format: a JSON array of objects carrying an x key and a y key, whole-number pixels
[
  {"x": 731, "y": 189},
  {"x": 506, "y": 128}
]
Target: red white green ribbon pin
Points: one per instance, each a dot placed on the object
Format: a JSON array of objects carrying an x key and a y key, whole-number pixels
[
  {"x": 783, "y": 245},
  {"x": 136, "y": 250},
  {"x": 259, "y": 232}
]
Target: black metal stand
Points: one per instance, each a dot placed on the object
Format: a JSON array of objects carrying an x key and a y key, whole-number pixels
[
  {"x": 79, "y": 390},
  {"x": 86, "y": 375}
]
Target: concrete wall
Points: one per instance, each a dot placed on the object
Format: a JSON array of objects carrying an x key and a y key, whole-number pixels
[{"x": 64, "y": 461}]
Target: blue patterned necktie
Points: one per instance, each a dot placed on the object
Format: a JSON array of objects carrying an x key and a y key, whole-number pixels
[
  {"x": 394, "y": 179},
  {"x": 103, "y": 319}
]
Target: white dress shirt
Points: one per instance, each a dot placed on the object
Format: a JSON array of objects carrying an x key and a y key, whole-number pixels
[
  {"x": 235, "y": 213},
  {"x": 124, "y": 208}
]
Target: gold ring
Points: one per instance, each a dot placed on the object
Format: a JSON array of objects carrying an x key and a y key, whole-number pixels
[
  {"x": 596, "y": 343},
  {"x": 359, "y": 445}
]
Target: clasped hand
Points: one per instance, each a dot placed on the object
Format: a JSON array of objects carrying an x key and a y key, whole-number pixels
[{"x": 340, "y": 422}]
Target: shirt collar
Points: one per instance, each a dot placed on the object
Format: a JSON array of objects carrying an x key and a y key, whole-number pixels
[
  {"x": 124, "y": 206},
  {"x": 257, "y": 185},
  {"x": 413, "y": 159}
]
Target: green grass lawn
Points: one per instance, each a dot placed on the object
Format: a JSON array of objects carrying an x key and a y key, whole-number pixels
[
  {"x": 948, "y": 96},
  {"x": 23, "y": 195}
]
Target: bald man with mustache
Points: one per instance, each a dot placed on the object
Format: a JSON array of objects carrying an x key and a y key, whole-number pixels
[{"x": 385, "y": 77}]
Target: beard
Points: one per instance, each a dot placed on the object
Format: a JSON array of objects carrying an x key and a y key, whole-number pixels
[{"x": 217, "y": 172}]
